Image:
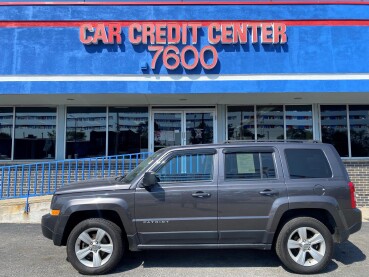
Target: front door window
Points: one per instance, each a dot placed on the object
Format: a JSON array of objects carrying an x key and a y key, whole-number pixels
[{"x": 187, "y": 168}]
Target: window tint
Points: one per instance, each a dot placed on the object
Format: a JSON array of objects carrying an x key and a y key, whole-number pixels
[
  {"x": 241, "y": 123},
  {"x": 128, "y": 130},
  {"x": 35, "y": 133},
  {"x": 6, "y": 133},
  {"x": 187, "y": 168},
  {"x": 307, "y": 163},
  {"x": 299, "y": 122},
  {"x": 249, "y": 166},
  {"x": 359, "y": 130},
  {"x": 334, "y": 127},
  {"x": 86, "y": 132},
  {"x": 270, "y": 124}
]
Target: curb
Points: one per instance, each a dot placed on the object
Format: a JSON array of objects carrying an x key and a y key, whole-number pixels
[{"x": 13, "y": 210}]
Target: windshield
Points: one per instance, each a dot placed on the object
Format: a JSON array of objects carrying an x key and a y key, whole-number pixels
[{"x": 130, "y": 176}]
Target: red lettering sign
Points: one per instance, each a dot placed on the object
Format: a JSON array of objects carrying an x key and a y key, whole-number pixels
[
  {"x": 159, "y": 34},
  {"x": 99, "y": 33}
]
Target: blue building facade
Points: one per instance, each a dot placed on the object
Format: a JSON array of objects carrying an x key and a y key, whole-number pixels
[{"x": 84, "y": 79}]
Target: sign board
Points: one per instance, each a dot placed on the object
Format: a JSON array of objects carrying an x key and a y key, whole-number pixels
[{"x": 163, "y": 38}]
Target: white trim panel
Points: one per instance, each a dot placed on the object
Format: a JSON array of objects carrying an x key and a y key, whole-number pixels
[{"x": 180, "y": 78}]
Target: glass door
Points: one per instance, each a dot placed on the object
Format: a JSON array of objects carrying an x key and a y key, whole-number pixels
[
  {"x": 199, "y": 127},
  {"x": 183, "y": 127},
  {"x": 167, "y": 129}
]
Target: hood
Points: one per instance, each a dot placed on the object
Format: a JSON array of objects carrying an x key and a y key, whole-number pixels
[{"x": 93, "y": 185}]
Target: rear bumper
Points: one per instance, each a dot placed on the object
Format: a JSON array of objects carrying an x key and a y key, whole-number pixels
[{"x": 353, "y": 220}]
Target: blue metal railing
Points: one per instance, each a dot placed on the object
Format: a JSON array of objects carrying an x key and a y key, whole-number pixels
[{"x": 43, "y": 178}]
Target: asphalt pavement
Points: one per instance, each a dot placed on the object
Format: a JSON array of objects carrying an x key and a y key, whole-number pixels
[{"x": 25, "y": 252}]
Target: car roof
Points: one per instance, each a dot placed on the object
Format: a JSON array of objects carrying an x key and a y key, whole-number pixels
[{"x": 227, "y": 144}]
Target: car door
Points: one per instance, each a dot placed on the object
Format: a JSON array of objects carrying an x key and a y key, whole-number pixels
[
  {"x": 182, "y": 207},
  {"x": 249, "y": 185}
]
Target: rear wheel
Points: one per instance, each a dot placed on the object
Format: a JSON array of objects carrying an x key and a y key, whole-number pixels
[
  {"x": 305, "y": 245},
  {"x": 95, "y": 246}
]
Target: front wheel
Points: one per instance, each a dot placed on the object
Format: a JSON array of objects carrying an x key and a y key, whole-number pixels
[
  {"x": 95, "y": 246},
  {"x": 305, "y": 245}
]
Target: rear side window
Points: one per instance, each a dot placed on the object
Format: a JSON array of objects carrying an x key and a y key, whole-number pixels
[
  {"x": 252, "y": 165},
  {"x": 307, "y": 163}
]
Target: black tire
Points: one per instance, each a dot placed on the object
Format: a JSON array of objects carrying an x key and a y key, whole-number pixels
[
  {"x": 293, "y": 230},
  {"x": 96, "y": 253}
]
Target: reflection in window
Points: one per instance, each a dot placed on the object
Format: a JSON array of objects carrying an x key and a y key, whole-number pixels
[
  {"x": 35, "y": 133},
  {"x": 241, "y": 124},
  {"x": 128, "y": 130},
  {"x": 167, "y": 130},
  {"x": 359, "y": 130},
  {"x": 6, "y": 133},
  {"x": 270, "y": 123},
  {"x": 249, "y": 166},
  {"x": 187, "y": 168},
  {"x": 199, "y": 128},
  {"x": 299, "y": 122},
  {"x": 86, "y": 132},
  {"x": 334, "y": 127}
]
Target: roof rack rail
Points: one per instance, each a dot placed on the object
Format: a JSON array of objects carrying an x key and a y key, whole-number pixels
[{"x": 273, "y": 140}]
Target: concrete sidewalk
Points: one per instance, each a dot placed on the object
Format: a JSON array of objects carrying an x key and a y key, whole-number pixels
[{"x": 13, "y": 210}]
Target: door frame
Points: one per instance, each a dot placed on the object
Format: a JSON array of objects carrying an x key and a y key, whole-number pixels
[{"x": 183, "y": 112}]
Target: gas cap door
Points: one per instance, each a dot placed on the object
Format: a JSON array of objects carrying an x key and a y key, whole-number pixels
[{"x": 319, "y": 190}]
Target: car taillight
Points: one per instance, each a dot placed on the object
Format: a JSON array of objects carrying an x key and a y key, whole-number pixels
[{"x": 352, "y": 194}]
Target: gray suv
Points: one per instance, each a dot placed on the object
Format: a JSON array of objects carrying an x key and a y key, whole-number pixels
[{"x": 296, "y": 198}]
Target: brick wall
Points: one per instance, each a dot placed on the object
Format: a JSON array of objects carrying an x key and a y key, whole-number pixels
[{"x": 359, "y": 174}]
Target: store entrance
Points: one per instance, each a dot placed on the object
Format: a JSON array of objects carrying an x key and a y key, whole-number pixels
[{"x": 182, "y": 127}]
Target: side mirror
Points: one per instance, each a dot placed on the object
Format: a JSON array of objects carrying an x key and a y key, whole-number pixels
[{"x": 149, "y": 179}]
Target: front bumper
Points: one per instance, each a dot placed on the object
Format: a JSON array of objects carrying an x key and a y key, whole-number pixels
[{"x": 49, "y": 225}]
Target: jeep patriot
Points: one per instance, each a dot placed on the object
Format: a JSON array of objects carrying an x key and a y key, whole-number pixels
[{"x": 296, "y": 198}]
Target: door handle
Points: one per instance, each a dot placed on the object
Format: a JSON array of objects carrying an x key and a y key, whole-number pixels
[
  {"x": 268, "y": 192},
  {"x": 201, "y": 194}
]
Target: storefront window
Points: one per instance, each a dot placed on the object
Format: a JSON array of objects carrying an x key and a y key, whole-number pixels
[
  {"x": 86, "y": 132},
  {"x": 128, "y": 130},
  {"x": 299, "y": 122},
  {"x": 359, "y": 130},
  {"x": 241, "y": 123},
  {"x": 35, "y": 133},
  {"x": 6, "y": 133},
  {"x": 334, "y": 127},
  {"x": 270, "y": 123}
]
